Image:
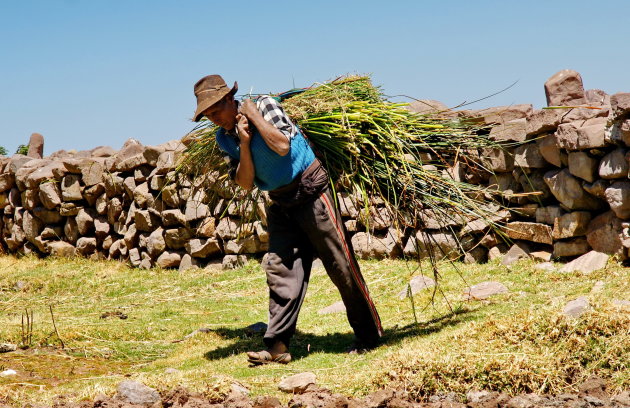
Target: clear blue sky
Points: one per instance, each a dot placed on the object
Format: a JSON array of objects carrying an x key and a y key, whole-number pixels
[{"x": 86, "y": 73}]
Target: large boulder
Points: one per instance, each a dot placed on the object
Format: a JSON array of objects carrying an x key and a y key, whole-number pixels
[
  {"x": 605, "y": 234},
  {"x": 614, "y": 165},
  {"x": 529, "y": 231},
  {"x": 580, "y": 136},
  {"x": 573, "y": 224},
  {"x": 568, "y": 190},
  {"x": 583, "y": 166},
  {"x": 565, "y": 88},
  {"x": 618, "y": 197},
  {"x": 36, "y": 146},
  {"x": 620, "y": 105}
]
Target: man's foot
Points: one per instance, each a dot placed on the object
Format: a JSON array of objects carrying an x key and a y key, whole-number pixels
[
  {"x": 359, "y": 346},
  {"x": 266, "y": 357}
]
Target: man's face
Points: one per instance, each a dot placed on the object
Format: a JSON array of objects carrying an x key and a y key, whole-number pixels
[{"x": 223, "y": 113}]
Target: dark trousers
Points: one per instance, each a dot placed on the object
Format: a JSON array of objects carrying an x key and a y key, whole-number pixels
[{"x": 295, "y": 234}]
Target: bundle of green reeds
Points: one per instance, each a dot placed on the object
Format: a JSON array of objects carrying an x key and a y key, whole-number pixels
[{"x": 377, "y": 149}]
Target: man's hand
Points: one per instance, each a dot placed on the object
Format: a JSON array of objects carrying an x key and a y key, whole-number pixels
[
  {"x": 249, "y": 109},
  {"x": 244, "y": 133}
]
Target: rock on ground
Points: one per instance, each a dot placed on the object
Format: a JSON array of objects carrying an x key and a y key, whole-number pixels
[{"x": 298, "y": 383}]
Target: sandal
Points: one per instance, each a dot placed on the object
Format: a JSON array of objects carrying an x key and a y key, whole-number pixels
[{"x": 265, "y": 357}]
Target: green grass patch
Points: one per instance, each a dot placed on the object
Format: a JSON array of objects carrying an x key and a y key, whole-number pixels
[{"x": 513, "y": 342}]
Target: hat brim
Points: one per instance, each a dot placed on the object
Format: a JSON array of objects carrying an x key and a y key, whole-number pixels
[{"x": 207, "y": 103}]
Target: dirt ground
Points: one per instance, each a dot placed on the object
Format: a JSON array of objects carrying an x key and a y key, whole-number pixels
[{"x": 592, "y": 393}]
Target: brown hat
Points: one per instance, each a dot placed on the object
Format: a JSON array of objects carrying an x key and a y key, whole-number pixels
[{"x": 210, "y": 90}]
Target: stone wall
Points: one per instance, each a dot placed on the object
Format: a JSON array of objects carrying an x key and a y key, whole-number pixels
[{"x": 565, "y": 183}]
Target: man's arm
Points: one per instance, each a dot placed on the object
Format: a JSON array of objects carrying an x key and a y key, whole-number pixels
[
  {"x": 275, "y": 139},
  {"x": 245, "y": 170}
]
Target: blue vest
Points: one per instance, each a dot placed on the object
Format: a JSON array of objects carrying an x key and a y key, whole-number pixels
[{"x": 271, "y": 169}]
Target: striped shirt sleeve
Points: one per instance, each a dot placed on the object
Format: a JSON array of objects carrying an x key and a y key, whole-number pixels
[{"x": 273, "y": 113}]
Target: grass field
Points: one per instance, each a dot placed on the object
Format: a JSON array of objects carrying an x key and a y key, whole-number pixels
[{"x": 513, "y": 342}]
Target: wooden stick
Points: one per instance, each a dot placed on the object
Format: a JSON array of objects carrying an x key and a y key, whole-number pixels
[{"x": 63, "y": 346}]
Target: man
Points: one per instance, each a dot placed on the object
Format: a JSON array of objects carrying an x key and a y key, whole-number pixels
[{"x": 265, "y": 149}]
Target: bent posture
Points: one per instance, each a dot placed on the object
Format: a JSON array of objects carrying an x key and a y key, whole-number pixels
[{"x": 265, "y": 149}]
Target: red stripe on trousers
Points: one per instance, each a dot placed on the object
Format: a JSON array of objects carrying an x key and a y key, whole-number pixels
[{"x": 352, "y": 264}]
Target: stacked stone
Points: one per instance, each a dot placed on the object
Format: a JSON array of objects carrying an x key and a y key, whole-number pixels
[
  {"x": 127, "y": 205},
  {"x": 567, "y": 183}
]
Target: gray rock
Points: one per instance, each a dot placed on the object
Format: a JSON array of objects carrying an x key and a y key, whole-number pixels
[
  {"x": 544, "y": 121},
  {"x": 92, "y": 172},
  {"x": 620, "y": 105},
  {"x": 188, "y": 262},
  {"x": 619, "y": 132},
  {"x": 549, "y": 150},
  {"x": 528, "y": 156},
  {"x": 529, "y": 231},
  {"x": 501, "y": 114},
  {"x": 337, "y": 307},
  {"x": 625, "y": 304},
  {"x": 142, "y": 196},
  {"x": 71, "y": 189},
  {"x": 514, "y": 130},
  {"x": 61, "y": 249},
  {"x": 577, "y": 136},
  {"x": 7, "y": 347},
  {"x": 134, "y": 392},
  {"x": 476, "y": 255},
  {"x": 298, "y": 383},
  {"x": 573, "y": 224},
  {"x": 145, "y": 220},
  {"x": 597, "y": 188},
  {"x": 146, "y": 261},
  {"x": 547, "y": 215},
  {"x": 32, "y": 226},
  {"x": 577, "y": 307},
  {"x": 583, "y": 166},
  {"x": 545, "y": 266},
  {"x": 170, "y": 195},
  {"x": 156, "y": 243},
  {"x": 587, "y": 263},
  {"x": 86, "y": 245},
  {"x": 426, "y": 106},
  {"x": 438, "y": 244},
  {"x": 618, "y": 197},
  {"x": 233, "y": 261},
  {"x": 376, "y": 246},
  {"x": 416, "y": 284},
  {"x": 614, "y": 165},
  {"x": 36, "y": 146},
  {"x": 605, "y": 234},
  {"x": 569, "y": 192},
  {"x": 203, "y": 248},
  {"x": 518, "y": 251},
  {"x": 206, "y": 228},
  {"x": 114, "y": 185},
  {"x": 484, "y": 290},
  {"x": 573, "y": 247},
  {"x": 134, "y": 257},
  {"x": 497, "y": 251},
  {"x": 497, "y": 160},
  {"x": 565, "y": 88},
  {"x": 172, "y": 218},
  {"x": 85, "y": 221},
  {"x": 176, "y": 238}
]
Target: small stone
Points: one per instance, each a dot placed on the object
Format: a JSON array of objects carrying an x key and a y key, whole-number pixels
[
  {"x": 233, "y": 261},
  {"x": 518, "y": 251},
  {"x": 416, "y": 284},
  {"x": 624, "y": 304},
  {"x": 8, "y": 373},
  {"x": 61, "y": 249},
  {"x": 169, "y": 260},
  {"x": 598, "y": 287},
  {"x": 188, "y": 262},
  {"x": 134, "y": 392},
  {"x": 337, "y": 307},
  {"x": 484, "y": 290},
  {"x": 298, "y": 383},
  {"x": 587, "y": 263},
  {"x": 577, "y": 307},
  {"x": 7, "y": 347}
]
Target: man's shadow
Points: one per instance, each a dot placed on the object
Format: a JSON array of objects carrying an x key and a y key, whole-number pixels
[{"x": 302, "y": 344}]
